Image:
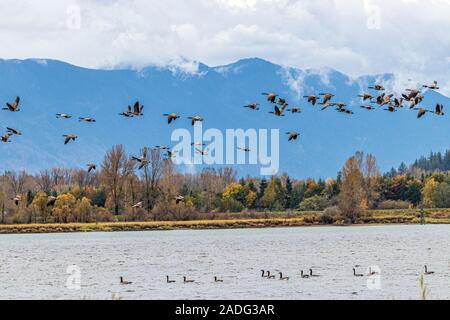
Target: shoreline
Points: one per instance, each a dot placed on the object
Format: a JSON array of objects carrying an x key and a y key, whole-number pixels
[{"x": 189, "y": 225}]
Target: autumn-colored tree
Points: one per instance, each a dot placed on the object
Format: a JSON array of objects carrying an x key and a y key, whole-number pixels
[
  {"x": 64, "y": 208},
  {"x": 428, "y": 192},
  {"x": 352, "y": 190},
  {"x": 40, "y": 207},
  {"x": 83, "y": 210},
  {"x": 116, "y": 168},
  {"x": 274, "y": 195}
]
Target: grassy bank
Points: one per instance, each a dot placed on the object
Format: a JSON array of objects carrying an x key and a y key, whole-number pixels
[{"x": 293, "y": 219}]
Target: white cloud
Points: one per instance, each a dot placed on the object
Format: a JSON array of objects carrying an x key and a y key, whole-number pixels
[{"x": 409, "y": 38}]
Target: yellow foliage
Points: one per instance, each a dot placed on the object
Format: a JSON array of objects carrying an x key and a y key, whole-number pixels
[{"x": 427, "y": 192}]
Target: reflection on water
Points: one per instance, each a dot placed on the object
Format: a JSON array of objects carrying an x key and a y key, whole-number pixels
[{"x": 34, "y": 266}]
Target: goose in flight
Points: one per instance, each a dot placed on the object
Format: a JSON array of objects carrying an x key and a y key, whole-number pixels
[
  {"x": 195, "y": 119},
  {"x": 143, "y": 162},
  {"x": 325, "y": 105},
  {"x": 439, "y": 109},
  {"x": 14, "y": 131},
  {"x": 278, "y": 112},
  {"x": 246, "y": 149},
  {"x": 171, "y": 117},
  {"x": 128, "y": 114},
  {"x": 198, "y": 143},
  {"x": 282, "y": 102},
  {"x": 378, "y": 87},
  {"x": 271, "y": 97},
  {"x": 390, "y": 109},
  {"x": 69, "y": 137},
  {"x": 163, "y": 147},
  {"x": 253, "y": 106},
  {"x": 13, "y": 107},
  {"x": 312, "y": 99},
  {"x": 5, "y": 137},
  {"x": 137, "y": 109},
  {"x": 179, "y": 199},
  {"x": 422, "y": 112},
  {"x": 170, "y": 154},
  {"x": 433, "y": 86},
  {"x": 368, "y": 107},
  {"x": 17, "y": 199},
  {"x": 91, "y": 167},
  {"x": 326, "y": 97},
  {"x": 202, "y": 152},
  {"x": 63, "y": 116},
  {"x": 138, "y": 205},
  {"x": 51, "y": 200},
  {"x": 295, "y": 110},
  {"x": 293, "y": 135},
  {"x": 86, "y": 120},
  {"x": 366, "y": 96}
]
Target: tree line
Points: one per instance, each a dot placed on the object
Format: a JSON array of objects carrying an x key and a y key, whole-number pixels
[{"x": 112, "y": 192}]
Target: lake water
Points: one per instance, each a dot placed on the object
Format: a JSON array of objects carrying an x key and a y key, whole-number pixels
[{"x": 35, "y": 266}]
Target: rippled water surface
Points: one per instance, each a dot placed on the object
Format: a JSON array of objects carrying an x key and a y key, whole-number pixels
[{"x": 34, "y": 266}]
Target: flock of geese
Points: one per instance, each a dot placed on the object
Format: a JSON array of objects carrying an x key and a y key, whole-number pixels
[
  {"x": 373, "y": 101},
  {"x": 268, "y": 275}
]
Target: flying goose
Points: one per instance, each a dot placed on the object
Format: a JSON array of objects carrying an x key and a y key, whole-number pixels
[
  {"x": 246, "y": 149},
  {"x": 198, "y": 143},
  {"x": 271, "y": 97},
  {"x": 295, "y": 110},
  {"x": 390, "y": 109},
  {"x": 14, "y": 131},
  {"x": 86, "y": 120},
  {"x": 312, "y": 99},
  {"x": 142, "y": 159},
  {"x": 439, "y": 109},
  {"x": 433, "y": 86},
  {"x": 293, "y": 135},
  {"x": 282, "y": 102},
  {"x": 179, "y": 199},
  {"x": 128, "y": 114},
  {"x": 326, "y": 97},
  {"x": 171, "y": 117},
  {"x": 17, "y": 199},
  {"x": 123, "y": 282},
  {"x": 13, "y": 107},
  {"x": 202, "y": 152},
  {"x": 377, "y": 87},
  {"x": 91, "y": 167},
  {"x": 170, "y": 154},
  {"x": 278, "y": 112},
  {"x": 137, "y": 109},
  {"x": 325, "y": 105},
  {"x": 253, "y": 106},
  {"x": 51, "y": 200},
  {"x": 196, "y": 119},
  {"x": 366, "y": 96},
  {"x": 422, "y": 112},
  {"x": 368, "y": 107},
  {"x": 138, "y": 205},
  {"x": 162, "y": 147},
  {"x": 69, "y": 137},
  {"x": 63, "y": 116}
]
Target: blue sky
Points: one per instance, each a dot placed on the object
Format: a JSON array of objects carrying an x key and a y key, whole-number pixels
[{"x": 407, "y": 37}]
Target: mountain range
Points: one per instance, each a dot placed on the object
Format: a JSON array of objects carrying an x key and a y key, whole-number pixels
[{"x": 218, "y": 94}]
